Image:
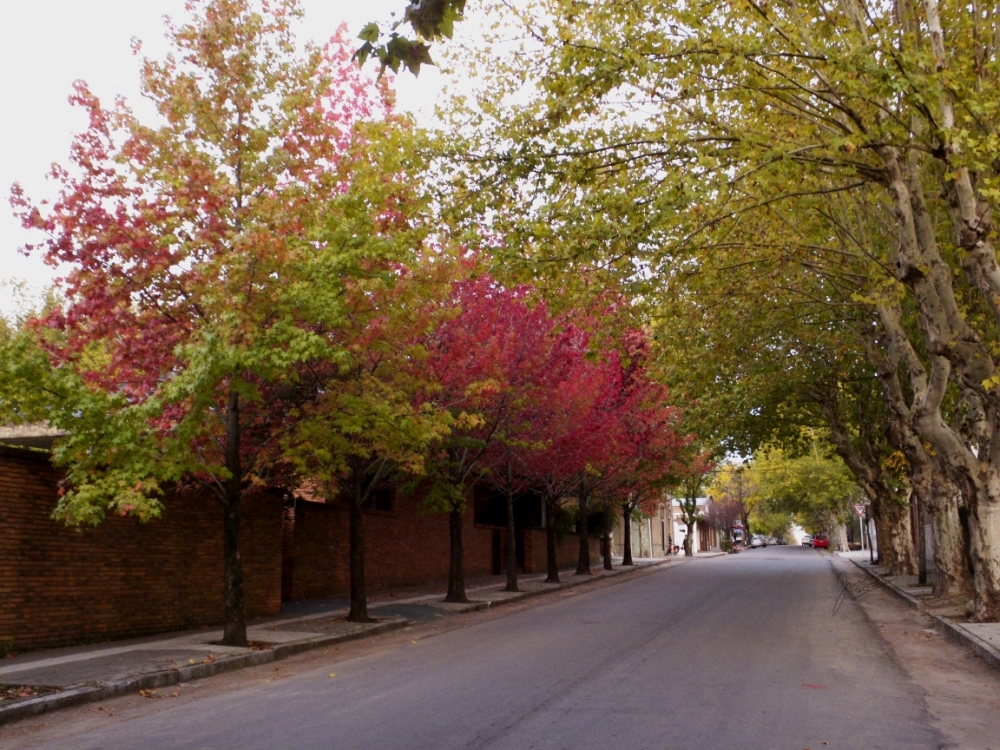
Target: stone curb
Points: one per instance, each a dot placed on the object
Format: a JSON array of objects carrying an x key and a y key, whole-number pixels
[
  {"x": 954, "y": 631},
  {"x": 563, "y": 584},
  {"x": 908, "y": 598},
  {"x": 91, "y": 693},
  {"x": 77, "y": 695},
  {"x": 963, "y": 637}
]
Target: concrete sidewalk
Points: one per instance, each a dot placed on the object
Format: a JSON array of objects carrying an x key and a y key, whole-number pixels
[
  {"x": 46, "y": 680},
  {"x": 983, "y": 638}
]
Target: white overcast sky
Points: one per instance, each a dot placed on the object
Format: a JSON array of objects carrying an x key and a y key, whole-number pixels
[{"x": 45, "y": 45}]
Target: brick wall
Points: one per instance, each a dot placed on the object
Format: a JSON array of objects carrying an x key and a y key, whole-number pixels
[
  {"x": 62, "y": 585},
  {"x": 567, "y": 551},
  {"x": 122, "y": 578},
  {"x": 404, "y": 547}
]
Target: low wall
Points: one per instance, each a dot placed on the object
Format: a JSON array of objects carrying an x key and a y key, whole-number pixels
[
  {"x": 61, "y": 585},
  {"x": 403, "y": 547},
  {"x": 122, "y": 578}
]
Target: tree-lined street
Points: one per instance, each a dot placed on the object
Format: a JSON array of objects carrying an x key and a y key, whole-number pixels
[
  {"x": 738, "y": 651},
  {"x": 654, "y": 277}
]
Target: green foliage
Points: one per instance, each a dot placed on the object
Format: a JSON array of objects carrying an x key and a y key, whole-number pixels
[
  {"x": 430, "y": 20},
  {"x": 815, "y": 488}
]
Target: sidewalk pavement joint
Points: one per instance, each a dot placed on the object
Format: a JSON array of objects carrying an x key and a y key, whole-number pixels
[
  {"x": 283, "y": 644},
  {"x": 964, "y": 634}
]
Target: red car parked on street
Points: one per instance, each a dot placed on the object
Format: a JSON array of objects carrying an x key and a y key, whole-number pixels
[{"x": 820, "y": 540}]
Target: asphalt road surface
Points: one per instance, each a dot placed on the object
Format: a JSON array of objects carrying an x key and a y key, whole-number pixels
[{"x": 741, "y": 651}]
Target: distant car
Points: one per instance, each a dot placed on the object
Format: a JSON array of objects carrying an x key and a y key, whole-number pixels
[
  {"x": 807, "y": 540},
  {"x": 820, "y": 540},
  {"x": 772, "y": 540},
  {"x": 757, "y": 540}
]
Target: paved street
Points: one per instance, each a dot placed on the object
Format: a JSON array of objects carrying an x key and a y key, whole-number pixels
[{"x": 732, "y": 652}]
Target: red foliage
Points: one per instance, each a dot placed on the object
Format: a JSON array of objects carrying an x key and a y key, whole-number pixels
[{"x": 176, "y": 238}]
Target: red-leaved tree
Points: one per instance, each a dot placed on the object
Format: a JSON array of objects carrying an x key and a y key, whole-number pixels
[{"x": 191, "y": 244}]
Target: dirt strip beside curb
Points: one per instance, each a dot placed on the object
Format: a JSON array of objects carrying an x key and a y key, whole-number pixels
[{"x": 955, "y": 631}]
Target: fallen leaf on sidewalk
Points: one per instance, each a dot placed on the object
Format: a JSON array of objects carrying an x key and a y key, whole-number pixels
[{"x": 333, "y": 674}]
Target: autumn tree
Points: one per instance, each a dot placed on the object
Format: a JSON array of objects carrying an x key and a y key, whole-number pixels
[
  {"x": 650, "y": 454},
  {"x": 815, "y": 487},
  {"x": 718, "y": 113},
  {"x": 689, "y": 487},
  {"x": 535, "y": 361},
  {"x": 191, "y": 243},
  {"x": 466, "y": 359},
  {"x": 365, "y": 429},
  {"x": 577, "y": 430}
]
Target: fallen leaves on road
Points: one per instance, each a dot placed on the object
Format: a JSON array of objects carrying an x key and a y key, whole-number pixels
[{"x": 333, "y": 674}]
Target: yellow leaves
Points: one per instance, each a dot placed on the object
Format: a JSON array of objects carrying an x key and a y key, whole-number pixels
[
  {"x": 896, "y": 461},
  {"x": 992, "y": 381},
  {"x": 333, "y": 674}
]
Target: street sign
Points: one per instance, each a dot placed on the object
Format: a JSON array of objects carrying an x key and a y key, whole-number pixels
[{"x": 860, "y": 510}]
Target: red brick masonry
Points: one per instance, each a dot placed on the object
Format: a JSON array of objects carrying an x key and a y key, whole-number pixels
[{"x": 123, "y": 578}]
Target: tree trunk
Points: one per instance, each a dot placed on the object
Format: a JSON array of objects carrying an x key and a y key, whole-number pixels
[
  {"x": 952, "y": 579},
  {"x": 607, "y": 546},
  {"x": 235, "y": 628},
  {"x": 627, "y": 536},
  {"x": 921, "y": 535},
  {"x": 511, "y": 542},
  {"x": 359, "y": 594},
  {"x": 984, "y": 526},
  {"x": 551, "y": 559},
  {"x": 689, "y": 541},
  {"x": 895, "y": 542},
  {"x": 583, "y": 564},
  {"x": 840, "y": 537},
  {"x": 456, "y": 565}
]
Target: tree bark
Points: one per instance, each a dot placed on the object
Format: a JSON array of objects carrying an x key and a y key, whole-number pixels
[
  {"x": 456, "y": 564},
  {"x": 359, "y": 593},
  {"x": 583, "y": 563},
  {"x": 235, "y": 628},
  {"x": 511, "y": 541},
  {"x": 921, "y": 535},
  {"x": 895, "y": 547},
  {"x": 984, "y": 527},
  {"x": 551, "y": 559},
  {"x": 627, "y": 536},
  {"x": 689, "y": 540},
  {"x": 607, "y": 546},
  {"x": 840, "y": 537},
  {"x": 952, "y": 579}
]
